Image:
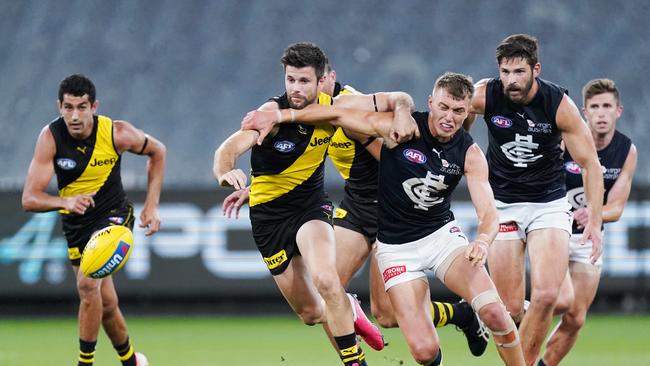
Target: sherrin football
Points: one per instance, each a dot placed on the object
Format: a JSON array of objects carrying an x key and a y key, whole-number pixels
[{"x": 107, "y": 251}]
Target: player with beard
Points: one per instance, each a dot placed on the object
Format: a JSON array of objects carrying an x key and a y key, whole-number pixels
[{"x": 527, "y": 117}]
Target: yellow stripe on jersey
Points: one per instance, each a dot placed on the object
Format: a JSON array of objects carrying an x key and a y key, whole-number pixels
[
  {"x": 265, "y": 188},
  {"x": 342, "y": 151},
  {"x": 100, "y": 165}
]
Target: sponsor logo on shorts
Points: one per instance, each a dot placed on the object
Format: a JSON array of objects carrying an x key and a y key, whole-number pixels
[
  {"x": 415, "y": 156},
  {"x": 339, "y": 213},
  {"x": 327, "y": 207},
  {"x": 391, "y": 272},
  {"x": 501, "y": 121},
  {"x": 284, "y": 146},
  {"x": 276, "y": 259},
  {"x": 66, "y": 164},
  {"x": 455, "y": 229},
  {"x": 73, "y": 253},
  {"x": 508, "y": 227},
  {"x": 572, "y": 167},
  {"x": 116, "y": 220}
]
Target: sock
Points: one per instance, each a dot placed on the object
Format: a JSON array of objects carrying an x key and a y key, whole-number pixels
[
  {"x": 541, "y": 362},
  {"x": 126, "y": 353},
  {"x": 438, "y": 360},
  {"x": 86, "y": 352},
  {"x": 349, "y": 351},
  {"x": 443, "y": 313}
]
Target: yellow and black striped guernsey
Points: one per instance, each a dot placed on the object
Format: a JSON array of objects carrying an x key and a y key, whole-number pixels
[
  {"x": 86, "y": 166},
  {"x": 287, "y": 169},
  {"x": 355, "y": 164}
]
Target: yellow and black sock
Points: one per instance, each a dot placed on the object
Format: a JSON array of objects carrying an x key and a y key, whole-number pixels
[
  {"x": 349, "y": 351},
  {"x": 438, "y": 360},
  {"x": 126, "y": 353},
  {"x": 86, "y": 352},
  {"x": 443, "y": 313}
]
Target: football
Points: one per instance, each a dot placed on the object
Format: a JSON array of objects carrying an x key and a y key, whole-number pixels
[{"x": 107, "y": 251}]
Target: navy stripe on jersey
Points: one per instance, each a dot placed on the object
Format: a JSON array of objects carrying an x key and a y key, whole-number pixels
[
  {"x": 416, "y": 179},
  {"x": 612, "y": 158},
  {"x": 524, "y": 154}
]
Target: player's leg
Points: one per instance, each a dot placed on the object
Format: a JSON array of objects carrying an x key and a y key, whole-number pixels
[
  {"x": 585, "y": 278},
  {"x": 565, "y": 297},
  {"x": 506, "y": 264},
  {"x": 474, "y": 284},
  {"x": 380, "y": 304},
  {"x": 90, "y": 316},
  {"x": 548, "y": 250}
]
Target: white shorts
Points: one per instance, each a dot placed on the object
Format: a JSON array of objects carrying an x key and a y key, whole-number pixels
[
  {"x": 516, "y": 220},
  {"x": 581, "y": 253},
  {"x": 406, "y": 262}
]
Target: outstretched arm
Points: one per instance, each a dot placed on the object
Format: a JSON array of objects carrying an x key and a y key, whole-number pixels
[
  {"x": 476, "y": 172},
  {"x": 131, "y": 139},
  {"x": 580, "y": 144},
  {"x": 226, "y": 156}
]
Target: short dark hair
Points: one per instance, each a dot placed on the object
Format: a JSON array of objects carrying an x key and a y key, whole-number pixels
[
  {"x": 305, "y": 54},
  {"x": 77, "y": 85},
  {"x": 519, "y": 46},
  {"x": 460, "y": 86},
  {"x": 600, "y": 86}
]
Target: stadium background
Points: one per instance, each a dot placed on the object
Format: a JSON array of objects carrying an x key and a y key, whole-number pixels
[{"x": 186, "y": 72}]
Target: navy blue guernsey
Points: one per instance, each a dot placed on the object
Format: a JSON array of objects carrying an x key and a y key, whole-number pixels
[
  {"x": 524, "y": 154},
  {"x": 416, "y": 179},
  {"x": 612, "y": 158}
]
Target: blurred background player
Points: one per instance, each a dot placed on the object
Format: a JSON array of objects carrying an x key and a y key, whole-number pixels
[
  {"x": 84, "y": 150},
  {"x": 618, "y": 156},
  {"x": 527, "y": 117}
]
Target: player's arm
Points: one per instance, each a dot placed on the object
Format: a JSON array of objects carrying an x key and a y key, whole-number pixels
[
  {"x": 41, "y": 171},
  {"x": 131, "y": 139},
  {"x": 225, "y": 158},
  {"x": 477, "y": 107},
  {"x": 580, "y": 145},
  {"x": 620, "y": 192},
  {"x": 476, "y": 173}
]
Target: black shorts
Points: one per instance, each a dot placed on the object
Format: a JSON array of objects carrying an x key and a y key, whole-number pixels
[
  {"x": 358, "y": 217},
  {"x": 277, "y": 241},
  {"x": 78, "y": 234}
]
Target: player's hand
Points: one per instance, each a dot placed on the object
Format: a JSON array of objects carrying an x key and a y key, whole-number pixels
[
  {"x": 261, "y": 121},
  {"x": 403, "y": 127},
  {"x": 150, "y": 219},
  {"x": 80, "y": 203},
  {"x": 476, "y": 253},
  {"x": 581, "y": 217},
  {"x": 594, "y": 235},
  {"x": 235, "y": 178},
  {"x": 234, "y": 201}
]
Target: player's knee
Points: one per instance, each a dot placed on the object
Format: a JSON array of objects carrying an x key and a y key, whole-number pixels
[
  {"x": 384, "y": 316},
  {"x": 310, "y": 315},
  {"x": 515, "y": 308},
  {"x": 563, "y": 304},
  {"x": 88, "y": 288},
  {"x": 109, "y": 305},
  {"x": 494, "y": 316},
  {"x": 574, "y": 321},
  {"x": 327, "y": 284},
  {"x": 544, "y": 298},
  {"x": 424, "y": 351}
]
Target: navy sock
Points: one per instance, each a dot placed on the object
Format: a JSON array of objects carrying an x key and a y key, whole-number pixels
[{"x": 86, "y": 352}]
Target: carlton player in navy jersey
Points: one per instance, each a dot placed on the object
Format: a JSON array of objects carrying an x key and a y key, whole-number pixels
[
  {"x": 84, "y": 150},
  {"x": 618, "y": 156},
  {"x": 416, "y": 230},
  {"x": 526, "y": 118}
]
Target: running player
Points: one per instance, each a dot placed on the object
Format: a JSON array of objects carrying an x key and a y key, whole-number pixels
[
  {"x": 290, "y": 215},
  {"x": 416, "y": 228},
  {"x": 84, "y": 151},
  {"x": 526, "y": 118},
  {"x": 602, "y": 108}
]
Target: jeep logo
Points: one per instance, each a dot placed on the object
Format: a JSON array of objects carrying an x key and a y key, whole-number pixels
[
  {"x": 317, "y": 142},
  {"x": 96, "y": 162}
]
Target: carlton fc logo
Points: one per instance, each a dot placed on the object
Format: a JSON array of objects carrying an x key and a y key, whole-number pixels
[
  {"x": 66, "y": 164},
  {"x": 501, "y": 121},
  {"x": 572, "y": 167},
  {"x": 284, "y": 146},
  {"x": 415, "y": 156}
]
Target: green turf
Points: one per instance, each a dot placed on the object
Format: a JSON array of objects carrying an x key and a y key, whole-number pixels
[{"x": 606, "y": 340}]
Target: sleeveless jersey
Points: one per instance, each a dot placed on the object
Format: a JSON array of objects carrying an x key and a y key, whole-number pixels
[
  {"x": 86, "y": 166},
  {"x": 416, "y": 179},
  {"x": 356, "y": 165},
  {"x": 524, "y": 154},
  {"x": 612, "y": 158},
  {"x": 288, "y": 168}
]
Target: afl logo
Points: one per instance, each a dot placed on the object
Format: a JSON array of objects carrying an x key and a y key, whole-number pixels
[
  {"x": 572, "y": 167},
  {"x": 501, "y": 121},
  {"x": 66, "y": 164},
  {"x": 415, "y": 156},
  {"x": 284, "y": 146}
]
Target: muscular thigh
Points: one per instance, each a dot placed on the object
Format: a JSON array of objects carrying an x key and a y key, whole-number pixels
[
  {"x": 506, "y": 266},
  {"x": 352, "y": 249},
  {"x": 548, "y": 251},
  {"x": 585, "y": 279}
]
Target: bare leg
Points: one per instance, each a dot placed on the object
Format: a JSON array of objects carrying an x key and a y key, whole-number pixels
[
  {"x": 566, "y": 296},
  {"x": 380, "y": 304},
  {"x": 549, "y": 256},
  {"x": 506, "y": 263},
  {"x": 112, "y": 318},
  {"x": 90, "y": 306}
]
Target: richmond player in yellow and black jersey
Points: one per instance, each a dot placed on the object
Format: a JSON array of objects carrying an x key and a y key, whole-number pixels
[
  {"x": 84, "y": 151},
  {"x": 290, "y": 215}
]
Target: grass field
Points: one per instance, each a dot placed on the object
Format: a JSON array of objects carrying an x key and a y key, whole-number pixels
[{"x": 214, "y": 340}]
